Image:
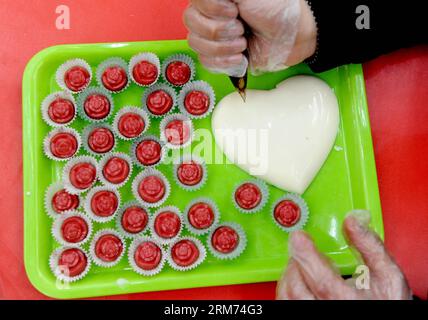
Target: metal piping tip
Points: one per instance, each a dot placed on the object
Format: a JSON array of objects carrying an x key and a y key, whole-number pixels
[
  {"x": 240, "y": 85},
  {"x": 243, "y": 95}
]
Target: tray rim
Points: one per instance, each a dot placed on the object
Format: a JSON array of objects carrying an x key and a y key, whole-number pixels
[{"x": 30, "y": 229}]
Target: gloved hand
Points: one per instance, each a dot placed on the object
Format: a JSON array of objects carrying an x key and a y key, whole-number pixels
[
  {"x": 282, "y": 32},
  {"x": 310, "y": 275}
]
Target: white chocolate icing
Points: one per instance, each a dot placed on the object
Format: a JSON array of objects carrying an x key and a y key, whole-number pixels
[{"x": 283, "y": 135}]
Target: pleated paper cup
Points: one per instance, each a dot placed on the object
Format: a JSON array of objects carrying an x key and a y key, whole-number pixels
[
  {"x": 200, "y": 259},
  {"x": 134, "y": 110},
  {"x": 150, "y": 57},
  {"x": 87, "y": 131},
  {"x": 112, "y": 62},
  {"x": 135, "y": 145},
  {"x": 69, "y": 166},
  {"x": 199, "y": 86},
  {"x": 182, "y": 58},
  {"x": 163, "y": 87},
  {"x": 92, "y": 249},
  {"x": 237, "y": 251},
  {"x": 304, "y": 212},
  {"x": 214, "y": 208},
  {"x": 155, "y": 235},
  {"x": 60, "y": 73},
  {"x": 185, "y": 159},
  {"x": 50, "y": 193},
  {"x": 119, "y": 216},
  {"x": 59, "y": 221},
  {"x": 164, "y": 135},
  {"x": 90, "y": 91},
  {"x": 140, "y": 177},
  {"x": 65, "y": 95},
  {"x": 47, "y": 143},
  {"x": 104, "y": 160},
  {"x": 264, "y": 191},
  {"x": 60, "y": 272},
  {"x": 131, "y": 252},
  {"x": 88, "y": 206}
]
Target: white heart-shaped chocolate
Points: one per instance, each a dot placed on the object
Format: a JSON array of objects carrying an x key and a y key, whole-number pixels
[{"x": 283, "y": 135}]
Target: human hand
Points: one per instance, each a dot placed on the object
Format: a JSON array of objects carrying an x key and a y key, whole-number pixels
[
  {"x": 310, "y": 275},
  {"x": 282, "y": 33}
]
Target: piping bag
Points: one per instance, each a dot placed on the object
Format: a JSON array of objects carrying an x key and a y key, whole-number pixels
[{"x": 240, "y": 83}]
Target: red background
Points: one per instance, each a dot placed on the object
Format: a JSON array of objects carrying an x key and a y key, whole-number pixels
[{"x": 397, "y": 94}]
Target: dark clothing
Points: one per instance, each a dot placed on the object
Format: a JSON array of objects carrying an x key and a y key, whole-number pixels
[{"x": 392, "y": 26}]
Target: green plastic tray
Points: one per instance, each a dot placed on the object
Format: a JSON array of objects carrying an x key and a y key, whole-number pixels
[{"x": 346, "y": 181}]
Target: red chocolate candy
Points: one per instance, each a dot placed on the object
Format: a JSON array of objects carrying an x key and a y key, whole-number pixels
[
  {"x": 145, "y": 73},
  {"x": 97, "y": 106},
  {"x": 76, "y": 78},
  {"x": 131, "y": 125},
  {"x": 64, "y": 201},
  {"x": 167, "y": 224},
  {"x": 148, "y": 255},
  {"x": 287, "y": 213},
  {"x": 74, "y": 229},
  {"x": 190, "y": 173},
  {"x": 152, "y": 189},
  {"x": 108, "y": 247},
  {"x": 225, "y": 239},
  {"x": 177, "y": 132},
  {"x": 63, "y": 145},
  {"x": 159, "y": 102},
  {"x": 116, "y": 170},
  {"x": 104, "y": 203},
  {"x": 134, "y": 219},
  {"x": 248, "y": 196},
  {"x": 101, "y": 140},
  {"x": 185, "y": 253},
  {"x": 178, "y": 73},
  {"x": 201, "y": 215},
  {"x": 148, "y": 152},
  {"x": 61, "y": 111},
  {"x": 82, "y": 175},
  {"x": 114, "y": 78},
  {"x": 74, "y": 261},
  {"x": 197, "y": 102}
]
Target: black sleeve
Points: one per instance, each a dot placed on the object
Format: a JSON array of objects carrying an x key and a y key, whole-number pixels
[{"x": 392, "y": 25}]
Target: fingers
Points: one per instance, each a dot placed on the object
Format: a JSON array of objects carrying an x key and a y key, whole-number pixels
[
  {"x": 322, "y": 281},
  {"x": 235, "y": 66},
  {"x": 292, "y": 286},
  {"x": 216, "y": 48},
  {"x": 217, "y": 36},
  {"x": 383, "y": 269},
  {"x": 221, "y": 62},
  {"x": 212, "y": 29},
  {"x": 216, "y": 9},
  {"x": 368, "y": 244}
]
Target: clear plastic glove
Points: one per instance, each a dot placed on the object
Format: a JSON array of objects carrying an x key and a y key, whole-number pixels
[
  {"x": 282, "y": 32},
  {"x": 310, "y": 275}
]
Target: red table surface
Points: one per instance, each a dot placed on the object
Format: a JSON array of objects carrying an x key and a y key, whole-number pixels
[{"x": 397, "y": 89}]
